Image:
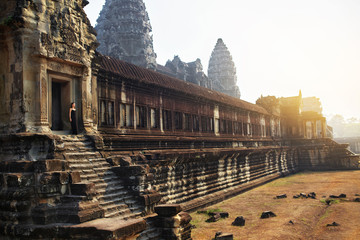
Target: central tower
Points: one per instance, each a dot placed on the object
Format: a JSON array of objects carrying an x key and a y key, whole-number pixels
[
  {"x": 124, "y": 32},
  {"x": 222, "y": 71}
]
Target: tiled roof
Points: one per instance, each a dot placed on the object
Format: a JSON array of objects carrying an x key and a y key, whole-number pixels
[{"x": 140, "y": 74}]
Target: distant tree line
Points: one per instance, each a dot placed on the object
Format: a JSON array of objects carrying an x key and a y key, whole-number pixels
[{"x": 344, "y": 127}]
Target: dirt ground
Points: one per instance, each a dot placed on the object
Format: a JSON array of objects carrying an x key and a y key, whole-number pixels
[{"x": 310, "y": 216}]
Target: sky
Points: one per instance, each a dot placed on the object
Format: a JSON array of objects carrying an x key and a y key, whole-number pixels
[{"x": 279, "y": 46}]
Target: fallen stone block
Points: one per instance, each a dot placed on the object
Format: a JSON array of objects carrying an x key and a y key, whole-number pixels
[
  {"x": 342, "y": 195},
  {"x": 334, "y": 224},
  {"x": 222, "y": 214},
  {"x": 267, "y": 214},
  {"x": 223, "y": 236},
  {"x": 303, "y": 195},
  {"x": 239, "y": 221},
  {"x": 312, "y": 195},
  {"x": 281, "y": 196},
  {"x": 214, "y": 218}
]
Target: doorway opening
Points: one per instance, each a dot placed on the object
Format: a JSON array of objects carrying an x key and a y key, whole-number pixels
[{"x": 60, "y": 104}]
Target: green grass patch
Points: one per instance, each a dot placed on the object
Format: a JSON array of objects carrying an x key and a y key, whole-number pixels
[
  {"x": 332, "y": 201},
  {"x": 209, "y": 211}
]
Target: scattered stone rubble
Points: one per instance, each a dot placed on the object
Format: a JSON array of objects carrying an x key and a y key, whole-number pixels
[
  {"x": 239, "y": 221},
  {"x": 334, "y": 224},
  {"x": 281, "y": 196},
  {"x": 267, "y": 214},
  {"x": 223, "y": 236},
  {"x": 342, "y": 195}
]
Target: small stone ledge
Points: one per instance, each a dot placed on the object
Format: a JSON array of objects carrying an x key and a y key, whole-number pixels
[
  {"x": 99, "y": 229},
  {"x": 109, "y": 228}
]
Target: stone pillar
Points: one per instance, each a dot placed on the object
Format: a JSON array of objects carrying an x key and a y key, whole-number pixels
[
  {"x": 86, "y": 99},
  {"x": 172, "y": 222},
  {"x": 43, "y": 122}
]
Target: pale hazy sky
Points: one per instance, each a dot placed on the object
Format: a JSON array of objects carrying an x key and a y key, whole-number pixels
[{"x": 278, "y": 46}]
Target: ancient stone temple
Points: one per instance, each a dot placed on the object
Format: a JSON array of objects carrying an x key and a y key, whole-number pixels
[
  {"x": 189, "y": 72},
  {"x": 151, "y": 147},
  {"x": 124, "y": 32},
  {"x": 222, "y": 72},
  {"x": 46, "y": 50}
]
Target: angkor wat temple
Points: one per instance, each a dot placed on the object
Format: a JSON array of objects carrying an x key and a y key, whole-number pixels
[
  {"x": 152, "y": 147},
  {"x": 124, "y": 32}
]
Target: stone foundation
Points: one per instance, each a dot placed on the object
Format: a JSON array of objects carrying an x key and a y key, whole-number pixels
[{"x": 68, "y": 187}]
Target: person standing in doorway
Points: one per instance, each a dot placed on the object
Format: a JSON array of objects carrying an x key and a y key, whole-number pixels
[{"x": 72, "y": 116}]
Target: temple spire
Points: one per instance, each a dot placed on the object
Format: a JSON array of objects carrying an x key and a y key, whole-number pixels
[
  {"x": 222, "y": 71},
  {"x": 124, "y": 32}
]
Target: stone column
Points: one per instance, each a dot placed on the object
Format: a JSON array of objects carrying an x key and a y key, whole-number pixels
[
  {"x": 173, "y": 223},
  {"x": 44, "y": 96},
  {"x": 86, "y": 99}
]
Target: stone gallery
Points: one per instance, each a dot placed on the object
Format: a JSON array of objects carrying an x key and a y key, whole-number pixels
[{"x": 152, "y": 146}]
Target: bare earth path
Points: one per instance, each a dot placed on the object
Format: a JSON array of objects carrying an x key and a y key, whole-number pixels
[{"x": 310, "y": 216}]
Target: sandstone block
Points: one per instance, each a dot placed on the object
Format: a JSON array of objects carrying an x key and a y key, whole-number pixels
[
  {"x": 223, "y": 236},
  {"x": 129, "y": 171},
  {"x": 75, "y": 177},
  {"x": 239, "y": 221},
  {"x": 83, "y": 189},
  {"x": 267, "y": 214},
  {"x": 168, "y": 210}
]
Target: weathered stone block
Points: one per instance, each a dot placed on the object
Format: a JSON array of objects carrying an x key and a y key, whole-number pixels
[
  {"x": 51, "y": 165},
  {"x": 168, "y": 210},
  {"x": 75, "y": 177},
  {"x": 185, "y": 218},
  {"x": 54, "y": 178},
  {"x": 129, "y": 171},
  {"x": 239, "y": 221},
  {"x": 267, "y": 214},
  {"x": 44, "y": 214},
  {"x": 223, "y": 236},
  {"x": 153, "y": 198},
  {"x": 83, "y": 189},
  {"x": 122, "y": 161},
  {"x": 17, "y": 166},
  {"x": 19, "y": 180}
]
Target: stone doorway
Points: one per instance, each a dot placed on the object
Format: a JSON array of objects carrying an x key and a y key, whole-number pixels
[
  {"x": 60, "y": 104},
  {"x": 56, "y": 117}
]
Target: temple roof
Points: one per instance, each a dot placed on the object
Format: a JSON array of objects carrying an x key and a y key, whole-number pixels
[{"x": 133, "y": 72}]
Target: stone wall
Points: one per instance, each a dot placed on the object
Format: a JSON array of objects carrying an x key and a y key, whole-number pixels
[
  {"x": 57, "y": 186},
  {"x": 325, "y": 154},
  {"x": 354, "y": 143}
]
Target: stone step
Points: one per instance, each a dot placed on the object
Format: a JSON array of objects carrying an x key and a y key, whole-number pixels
[
  {"x": 80, "y": 144},
  {"x": 109, "y": 197},
  {"x": 81, "y": 155},
  {"x": 72, "y": 138},
  {"x": 124, "y": 213},
  {"x": 113, "y": 207}
]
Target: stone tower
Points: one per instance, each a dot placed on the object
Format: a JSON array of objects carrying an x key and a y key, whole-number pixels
[
  {"x": 124, "y": 29},
  {"x": 222, "y": 72}
]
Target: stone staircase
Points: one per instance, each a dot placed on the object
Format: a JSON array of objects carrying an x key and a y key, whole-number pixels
[{"x": 112, "y": 196}]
